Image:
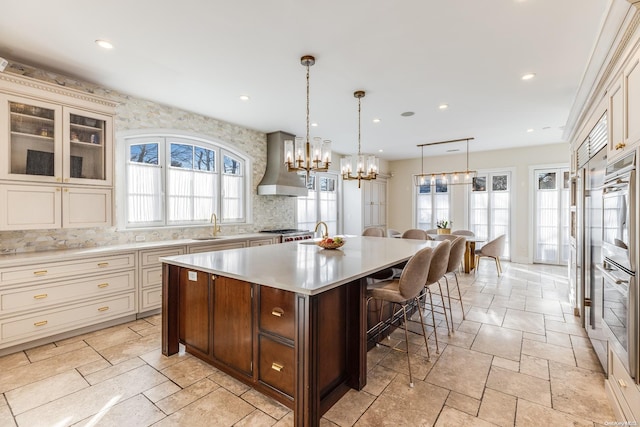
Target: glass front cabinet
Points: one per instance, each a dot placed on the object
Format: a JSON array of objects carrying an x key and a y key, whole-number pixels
[{"x": 56, "y": 156}]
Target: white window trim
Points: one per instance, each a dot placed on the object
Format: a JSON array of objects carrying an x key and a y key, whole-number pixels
[
  {"x": 121, "y": 163},
  {"x": 414, "y": 200}
]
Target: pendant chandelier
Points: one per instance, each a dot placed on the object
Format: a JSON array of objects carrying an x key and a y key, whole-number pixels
[
  {"x": 307, "y": 155},
  {"x": 451, "y": 178},
  {"x": 360, "y": 167}
]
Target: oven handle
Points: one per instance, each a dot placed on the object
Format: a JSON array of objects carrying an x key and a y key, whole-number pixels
[{"x": 613, "y": 279}]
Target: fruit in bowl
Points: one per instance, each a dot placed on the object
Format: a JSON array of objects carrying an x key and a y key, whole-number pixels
[{"x": 331, "y": 242}]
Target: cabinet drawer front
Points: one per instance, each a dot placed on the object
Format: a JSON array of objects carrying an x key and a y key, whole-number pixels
[
  {"x": 623, "y": 384},
  {"x": 150, "y": 299},
  {"x": 277, "y": 311},
  {"x": 152, "y": 258},
  {"x": 151, "y": 277},
  {"x": 261, "y": 242},
  {"x": 26, "y": 328},
  {"x": 45, "y": 271},
  {"x": 61, "y": 292},
  {"x": 276, "y": 365},
  {"x": 216, "y": 247}
]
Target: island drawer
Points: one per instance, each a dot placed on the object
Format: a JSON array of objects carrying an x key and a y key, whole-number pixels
[
  {"x": 276, "y": 365},
  {"x": 277, "y": 311},
  {"x": 37, "y": 297}
]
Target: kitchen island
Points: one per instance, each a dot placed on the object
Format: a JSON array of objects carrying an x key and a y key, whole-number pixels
[{"x": 290, "y": 320}]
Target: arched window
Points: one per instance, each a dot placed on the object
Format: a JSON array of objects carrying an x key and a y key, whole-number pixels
[{"x": 173, "y": 181}]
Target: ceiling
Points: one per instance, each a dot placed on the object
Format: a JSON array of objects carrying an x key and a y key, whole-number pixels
[{"x": 410, "y": 55}]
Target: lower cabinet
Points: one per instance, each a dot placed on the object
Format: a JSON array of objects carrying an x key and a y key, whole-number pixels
[
  {"x": 45, "y": 299},
  {"x": 624, "y": 393},
  {"x": 150, "y": 279}
]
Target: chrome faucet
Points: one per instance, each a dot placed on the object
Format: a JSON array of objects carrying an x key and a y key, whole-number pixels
[
  {"x": 214, "y": 221},
  {"x": 326, "y": 229}
]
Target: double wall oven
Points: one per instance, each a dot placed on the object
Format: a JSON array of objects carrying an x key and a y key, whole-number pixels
[{"x": 620, "y": 302}]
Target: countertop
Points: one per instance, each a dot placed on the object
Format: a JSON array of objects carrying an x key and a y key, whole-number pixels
[
  {"x": 304, "y": 267},
  {"x": 10, "y": 260}
]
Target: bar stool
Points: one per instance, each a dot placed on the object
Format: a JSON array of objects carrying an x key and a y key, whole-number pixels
[
  {"x": 437, "y": 270},
  {"x": 458, "y": 246},
  {"x": 404, "y": 291}
]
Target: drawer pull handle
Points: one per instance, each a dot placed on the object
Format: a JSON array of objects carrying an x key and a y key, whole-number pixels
[
  {"x": 103, "y": 264},
  {"x": 103, "y": 308},
  {"x": 620, "y": 145},
  {"x": 622, "y": 383},
  {"x": 277, "y": 367},
  {"x": 40, "y": 273},
  {"x": 41, "y": 296},
  {"x": 103, "y": 285},
  {"x": 42, "y": 323},
  {"x": 278, "y": 312}
]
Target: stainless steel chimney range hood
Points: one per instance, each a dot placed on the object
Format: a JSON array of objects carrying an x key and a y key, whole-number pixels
[{"x": 277, "y": 181}]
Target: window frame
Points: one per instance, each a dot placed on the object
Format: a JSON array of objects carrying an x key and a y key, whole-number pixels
[
  {"x": 317, "y": 176},
  {"x": 165, "y": 139},
  {"x": 432, "y": 194}
]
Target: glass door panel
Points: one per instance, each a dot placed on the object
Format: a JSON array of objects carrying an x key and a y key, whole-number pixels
[
  {"x": 87, "y": 147},
  {"x": 32, "y": 139}
]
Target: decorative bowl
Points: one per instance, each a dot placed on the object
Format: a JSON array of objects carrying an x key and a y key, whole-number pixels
[{"x": 331, "y": 243}]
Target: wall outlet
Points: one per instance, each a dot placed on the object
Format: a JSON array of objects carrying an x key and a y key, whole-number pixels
[{"x": 140, "y": 238}]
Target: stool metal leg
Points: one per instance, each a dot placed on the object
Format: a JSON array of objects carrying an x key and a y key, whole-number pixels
[{"x": 406, "y": 337}]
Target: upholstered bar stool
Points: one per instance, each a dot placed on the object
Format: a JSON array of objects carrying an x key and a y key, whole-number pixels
[
  {"x": 458, "y": 246},
  {"x": 437, "y": 270},
  {"x": 404, "y": 291}
]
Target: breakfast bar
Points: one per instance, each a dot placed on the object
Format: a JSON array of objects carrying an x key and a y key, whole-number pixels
[{"x": 289, "y": 320}]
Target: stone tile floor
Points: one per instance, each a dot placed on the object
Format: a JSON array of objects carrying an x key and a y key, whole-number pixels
[{"x": 519, "y": 358}]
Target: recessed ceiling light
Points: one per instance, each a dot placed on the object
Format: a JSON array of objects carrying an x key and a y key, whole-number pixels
[
  {"x": 105, "y": 44},
  {"x": 529, "y": 130},
  {"x": 443, "y": 106},
  {"x": 380, "y": 150},
  {"x": 407, "y": 114},
  {"x": 244, "y": 97},
  {"x": 528, "y": 76},
  {"x": 376, "y": 120},
  {"x": 315, "y": 125}
]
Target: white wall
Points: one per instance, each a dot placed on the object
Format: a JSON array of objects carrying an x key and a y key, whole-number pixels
[{"x": 401, "y": 187}]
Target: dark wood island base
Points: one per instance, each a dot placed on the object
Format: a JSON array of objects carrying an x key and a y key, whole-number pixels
[{"x": 305, "y": 351}]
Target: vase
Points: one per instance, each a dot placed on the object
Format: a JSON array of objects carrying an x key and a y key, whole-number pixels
[{"x": 444, "y": 231}]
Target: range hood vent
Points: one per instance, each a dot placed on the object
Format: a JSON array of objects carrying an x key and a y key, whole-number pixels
[{"x": 277, "y": 181}]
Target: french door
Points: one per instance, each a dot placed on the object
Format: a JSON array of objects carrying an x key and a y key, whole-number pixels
[{"x": 551, "y": 215}]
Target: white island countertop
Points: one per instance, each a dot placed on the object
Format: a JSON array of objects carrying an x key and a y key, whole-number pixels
[{"x": 304, "y": 267}]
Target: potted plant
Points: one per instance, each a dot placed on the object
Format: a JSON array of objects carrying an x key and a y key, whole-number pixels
[{"x": 444, "y": 226}]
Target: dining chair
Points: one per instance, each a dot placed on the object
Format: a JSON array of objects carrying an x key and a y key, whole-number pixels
[
  {"x": 405, "y": 291},
  {"x": 442, "y": 237},
  {"x": 432, "y": 231},
  {"x": 458, "y": 246},
  {"x": 415, "y": 233},
  {"x": 373, "y": 232},
  {"x": 492, "y": 249},
  {"x": 437, "y": 270},
  {"x": 463, "y": 233}
]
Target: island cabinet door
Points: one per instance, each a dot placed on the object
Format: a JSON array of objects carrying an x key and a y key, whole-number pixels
[
  {"x": 233, "y": 324},
  {"x": 194, "y": 319}
]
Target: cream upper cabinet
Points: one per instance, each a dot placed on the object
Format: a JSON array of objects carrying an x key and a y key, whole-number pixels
[
  {"x": 616, "y": 118},
  {"x": 632, "y": 101},
  {"x": 56, "y": 156},
  {"x": 365, "y": 206}
]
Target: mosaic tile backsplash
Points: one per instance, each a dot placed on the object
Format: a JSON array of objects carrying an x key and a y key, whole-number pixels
[{"x": 138, "y": 114}]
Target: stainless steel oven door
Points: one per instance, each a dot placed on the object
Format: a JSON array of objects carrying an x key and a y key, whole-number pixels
[
  {"x": 618, "y": 220},
  {"x": 619, "y": 315}
]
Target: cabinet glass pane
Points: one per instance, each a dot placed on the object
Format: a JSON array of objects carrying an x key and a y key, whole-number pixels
[
  {"x": 87, "y": 136},
  {"x": 31, "y": 146}
]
